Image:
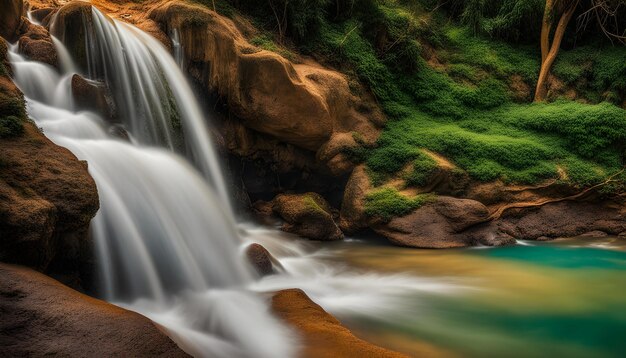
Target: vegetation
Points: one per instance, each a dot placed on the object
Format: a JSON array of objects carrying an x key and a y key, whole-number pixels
[
  {"x": 458, "y": 77},
  {"x": 386, "y": 203}
]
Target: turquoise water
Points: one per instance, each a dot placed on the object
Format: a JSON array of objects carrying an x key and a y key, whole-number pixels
[{"x": 565, "y": 298}]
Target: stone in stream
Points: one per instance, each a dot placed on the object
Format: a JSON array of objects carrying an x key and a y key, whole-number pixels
[
  {"x": 92, "y": 95},
  {"x": 260, "y": 259},
  {"x": 307, "y": 215}
]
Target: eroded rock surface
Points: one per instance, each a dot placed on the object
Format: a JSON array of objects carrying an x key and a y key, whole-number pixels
[
  {"x": 322, "y": 334},
  {"x": 301, "y": 104},
  {"x": 41, "y": 317}
]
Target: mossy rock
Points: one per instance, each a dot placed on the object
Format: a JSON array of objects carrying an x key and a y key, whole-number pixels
[{"x": 307, "y": 215}]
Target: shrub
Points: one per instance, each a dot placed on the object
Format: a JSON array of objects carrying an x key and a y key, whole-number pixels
[{"x": 11, "y": 126}]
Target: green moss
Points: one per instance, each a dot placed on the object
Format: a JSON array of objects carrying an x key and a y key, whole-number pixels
[
  {"x": 388, "y": 203},
  {"x": 266, "y": 42},
  {"x": 424, "y": 167},
  {"x": 458, "y": 102},
  {"x": 312, "y": 206}
]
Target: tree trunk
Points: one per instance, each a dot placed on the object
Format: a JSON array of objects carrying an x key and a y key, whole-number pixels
[
  {"x": 547, "y": 61},
  {"x": 546, "y": 27}
]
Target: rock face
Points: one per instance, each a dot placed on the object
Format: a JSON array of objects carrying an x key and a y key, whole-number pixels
[
  {"x": 47, "y": 200},
  {"x": 322, "y": 334},
  {"x": 41, "y": 317},
  {"x": 10, "y": 18},
  {"x": 565, "y": 219},
  {"x": 300, "y": 104},
  {"x": 47, "y": 197},
  {"x": 307, "y": 215}
]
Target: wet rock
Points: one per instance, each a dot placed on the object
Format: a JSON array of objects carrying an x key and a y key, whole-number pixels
[
  {"x": 92, "y": 95},
  {"x": 41, "y": 317},
  {"x": 440, "y": 224},
  {"x": 73, "y": 23},
  {"x": 322, "y": 334},
  {"x": 10, "y": 18},
  {"x": 42, "y": 15},
  {"x": 36, "y": 44},
  {"x": 307, "y": 215},
  {"x": 260, "y": 259},
  {"x": 352, "y": 215}
]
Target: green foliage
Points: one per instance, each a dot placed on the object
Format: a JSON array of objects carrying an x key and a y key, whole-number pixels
[
  {"x": 266, "y": 42},
  {"x": 594, "y": 71},
  {"x": 300, "y": 18},
  {"x": 386, "y": 203},
  {"x": 506, "y": 19},
  {"x": 445, "y": 86},
  {"x": 424, "y": 167},
  {"x": 11, "y": 126}
]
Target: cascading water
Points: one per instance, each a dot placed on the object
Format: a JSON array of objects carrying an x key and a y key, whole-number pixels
[
  {"x": 166, "y": 239},
  {"x": 165, "y": 236}
]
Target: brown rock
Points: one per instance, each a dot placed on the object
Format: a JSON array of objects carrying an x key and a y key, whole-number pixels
[
  {"x": 10, "y": 18},
  {"x": 595, "y": 234},
  {"x": 92, "y": 95},
  {"x": 565, "y": 219},
  {"x": 440, "y": 224},
  {"x": 41, "y": 15},
  {"x": 73, "y": 22},
  {"x": 461, "y": 213},
  {"x": 47, "y": 200},
  {"x": 36, "y": 44},
  {"x": 307, "y": 215},
  {"x": 301, "y": 104},
  {"x": 260, "y": 259},
  {"x": 352, "y": 216},
  {"x": 41, "y": 317},
  {"x": 47, "y": 197},
  {"x": 322, "y": 334}
]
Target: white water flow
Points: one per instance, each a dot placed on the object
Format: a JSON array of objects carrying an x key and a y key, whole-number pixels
[{"x": 166, "y": 240}]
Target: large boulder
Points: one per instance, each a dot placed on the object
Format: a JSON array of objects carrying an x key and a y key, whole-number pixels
[
  {"x": 36, "y": 44},
  {"x": 41, "y": 317},
  {"x": 322, "y": 334},
  {"x": 10, "y": 18},
  {"x": 443, "y": 223},
  {"x": 72, "y": 24},
  {"x": 301, "y": 104},
  {"x": 307, "y": 215}
]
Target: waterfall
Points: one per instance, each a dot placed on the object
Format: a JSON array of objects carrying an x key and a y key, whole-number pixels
[
  {"x": 167, "y": 243},
  {"x": 166, "y": 240}
]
